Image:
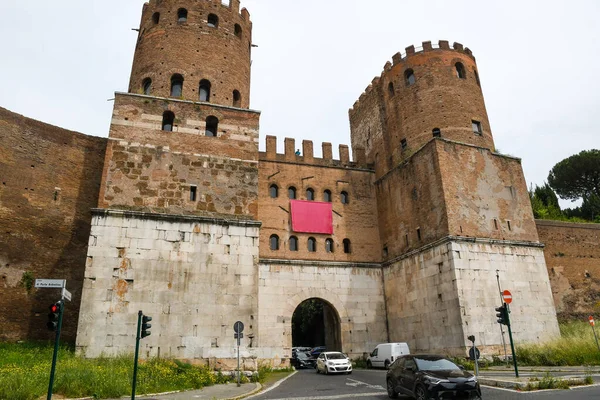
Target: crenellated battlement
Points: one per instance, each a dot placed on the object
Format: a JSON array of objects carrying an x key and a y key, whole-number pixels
[
  {"x": 307, "y": 155},
  {"x": 400, "y": 58},
  {"x": 233, "y": 6}
]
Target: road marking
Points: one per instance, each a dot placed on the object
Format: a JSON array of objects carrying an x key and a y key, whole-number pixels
[
  {"x": 355, "y": 383},
  {"x": 274, "y": 386},
  {"x": 340, "y": 396}
]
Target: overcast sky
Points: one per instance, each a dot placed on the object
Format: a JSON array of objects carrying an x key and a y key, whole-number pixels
[{"x": 538, "y": 62}]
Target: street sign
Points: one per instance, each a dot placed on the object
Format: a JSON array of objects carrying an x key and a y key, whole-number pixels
[
  {"x": 591, "y": 319},
  {"x": 507, "y": 296},
  {"x": 50, "y": 283},
  {"x": 238, "y": 327},
  {"x": 66, "y": 294}
]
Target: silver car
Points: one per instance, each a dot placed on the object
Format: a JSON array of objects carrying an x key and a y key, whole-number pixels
[{"x": 333, "y": 362}]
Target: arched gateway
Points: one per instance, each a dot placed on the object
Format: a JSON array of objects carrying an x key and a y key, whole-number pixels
[{"x": 316, "y": 322}]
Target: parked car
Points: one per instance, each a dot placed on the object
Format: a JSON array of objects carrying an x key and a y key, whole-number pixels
[
  {"x": 317, "y": 350},
  {"x": 302, "y": 360},
  {"x": 385, "y": 354},
  {"x": 301, "y": 349},
  {"x": 430, "y": 377},
  {"x": 333, "y": 361}
]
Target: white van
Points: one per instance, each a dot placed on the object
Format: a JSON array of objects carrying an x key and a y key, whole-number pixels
[{"x": 385, "y": 354}]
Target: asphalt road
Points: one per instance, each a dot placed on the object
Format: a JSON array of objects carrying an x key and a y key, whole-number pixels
[{"x": 370, "y": 385}]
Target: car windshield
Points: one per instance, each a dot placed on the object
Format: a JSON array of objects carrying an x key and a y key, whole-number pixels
[
  {"x": 336, "y": 356},
  {"x": 302, "y": 355},
  {"x": 435, "y": 364}
]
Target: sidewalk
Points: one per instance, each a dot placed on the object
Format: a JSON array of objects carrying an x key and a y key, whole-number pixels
[
  {"x": 505, "y": 376},
  {"x": 228, "y": 391}
]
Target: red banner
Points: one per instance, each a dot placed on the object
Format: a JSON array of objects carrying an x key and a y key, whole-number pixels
[{"x": 311, "y": 217}]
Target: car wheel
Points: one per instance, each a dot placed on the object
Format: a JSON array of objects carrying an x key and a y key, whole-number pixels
[
  {"x": 317, "y": 368},
  {"x": 391, "y": 391},
  {"x": 386, "y": 364},
  {"x": 369, "y": 365},
  {"x": 421, "y": 393},
  {"x": 326, "y": 372}
]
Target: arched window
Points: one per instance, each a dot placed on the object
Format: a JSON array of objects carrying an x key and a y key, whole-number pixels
[
  {"x": 327, "y": 196},
  {"x": 310, "y": 194},
  {"x": 156, "y": 17},
  {"x": 237, "y": 30},
  {"x": 204, "y": 90},
  {"x": 212, "y": 126},
  {"x": 293, "y": 243},
  {"x": 312, "y": 244},
  {"x": 409, "y": 77},
  {"x": 167, "y": 122},
  {"x": 329, "y": 245},
  {"x": 176, "y": 85},
  {"x": 292, "y": 192},
  {"x": 347, "y": 247},
  {"x": 436, "y": 132},
  {"x": 391, "y": 89},
  {"x": 147, "y": 86},
  {"x": 213, "y": 21},
  {"x": 237, "y": 98},
  {"x": 344, "y": 198},
  {"x": 273, "y": 191},
  {"x": 181, "y": 15},
  {"x": 460, "y": 70},
  {"x": 274, "y": 242}
]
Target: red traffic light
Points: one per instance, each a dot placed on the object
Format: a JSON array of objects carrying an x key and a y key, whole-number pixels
[{"x": 54, "y": 308}]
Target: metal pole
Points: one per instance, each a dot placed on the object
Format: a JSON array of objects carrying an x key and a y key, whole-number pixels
[
  {"x": 56, "y": 344},
  {"x": 238, "y": 360},
  {"x": 135, "y": 360},
  {"x": 512, "y": 346},
  {"x": 595, "y": 337},
  {"x": 502, "y": 329}
]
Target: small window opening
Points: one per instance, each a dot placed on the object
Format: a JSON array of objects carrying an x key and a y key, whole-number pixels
[
  {"x": 147, "y": 86},
  {"x": 237, "y": 30},
  {"x": 312, "y": 245},
  {"x": 409, "y": 77},
  {"x": 310, "y": 194},
  {"x": 273, "y": 191},
  {"x": 274, "y": 242},
  {"x": 293, "y": 243},
  {"x": 181, "y": 15},
  {"x": 419, "y": 234},
  {"x": 477, "y": 78},
  {"x": 476, "y": 127},
  {"x": 508, "y": 225},
  {"x": 213, "y": 21},
  {"x": 344, "y": 198},
  {"x": 391, "y": 90},
  {"x": 385, "y": 251},
  {"x": 436, "y": 132},
  {"x": 212, "y": 126},
  {"x": 167, "y": 122},
  {"x": 292, "y": 192},
  {"x": 237, "y": 99},
  {"x": 495, "y": 224},
  {"x": 204, "y": 90},
  {"x": 329, "y": 245},
  {"x": 193, "y": 193},
  {"x": 176, "y": 85},
  {"x": 406, "y": 239},
  {"x": 156, "y": 17},
  {"x": 403, "y": 144},
  {"x": 347, "y": 246},
  {"x": 327, "y": 196},
  {"x": 460, "y": 70}
]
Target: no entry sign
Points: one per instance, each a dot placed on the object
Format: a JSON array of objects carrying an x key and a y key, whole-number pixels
[
  {"x": 591, "y": 319},
  {"x": 507, "y": 296}
]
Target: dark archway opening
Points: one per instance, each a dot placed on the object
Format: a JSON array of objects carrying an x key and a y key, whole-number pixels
[{"x": 316, "y": 322}]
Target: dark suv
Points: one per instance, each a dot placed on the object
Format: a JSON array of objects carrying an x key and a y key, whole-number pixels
[{"x": 430, "y": 377}]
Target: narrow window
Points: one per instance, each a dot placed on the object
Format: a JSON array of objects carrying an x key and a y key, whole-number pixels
[
  {"x": 237, "y": 30},
  {"x": 274, "y": 242},
  {"x": 385, "y": 251},
  {"x": 181, "y": 15},
  {"x": 403, "y": 143},
  {"x": 273, "y": 191},
  {"x": 312, "y": 244},
  {"x": 167, "y": 122},
  {"x": 204, "y": 90},
  {"x": 237, "y": 99},
  {"x": 419, "y": 234},
  {"x": 213, "y": 21},
  {"x": 292, "y": 192},
  {"x": 476, "y": 127},
  {"x": 329, "y": 245},
  {"x": 406, "y": 239},
  {"x": 327, "y": 196},
  {"x": 156, "y": 17},
  {"x": 193, "y": 193},
  {"x": 347, "y": 247},
  {"x": 310, "y": 194},
  {"x": 391, "y": 89},
  {"x": 477, "y": 78},
  {"x": 147, "y": 86},
  {"x": 508, "y": 225},
  {"x": 460, "y": 70},
  {"x": 176, "y": 85},
  {"x": 344, "y": 198},
  {"x": 212, "y": 126},
  {"x": 293, "y": 243},
  {"x": 496, "y": 224},
  {"x": 436, "y": 132},
  {"x": 409, "y": 77}
]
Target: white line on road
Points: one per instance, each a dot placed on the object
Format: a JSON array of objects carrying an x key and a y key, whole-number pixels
[
  {"x": 341, "y": 396},
  {"x": 273, "y": 387},
  {"x": 355, "y": 383}
]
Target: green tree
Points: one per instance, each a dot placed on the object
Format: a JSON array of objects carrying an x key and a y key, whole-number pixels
[
  {"x": 544, "y": 203},
  {"x": 578, "y": 176}
]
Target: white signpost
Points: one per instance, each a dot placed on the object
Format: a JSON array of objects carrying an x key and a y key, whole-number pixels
[{"x": 50, "y": 283}]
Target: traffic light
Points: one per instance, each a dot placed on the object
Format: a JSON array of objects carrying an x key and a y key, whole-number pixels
[
  {"x": 502, "y": 314},
  {"x": 146, "y": 326},
  {"x": 54, "y": 315}
]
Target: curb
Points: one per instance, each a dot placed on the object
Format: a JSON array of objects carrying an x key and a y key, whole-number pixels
[{"x": 577, "y": 380}]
